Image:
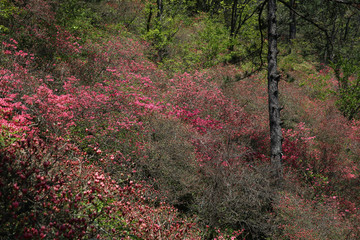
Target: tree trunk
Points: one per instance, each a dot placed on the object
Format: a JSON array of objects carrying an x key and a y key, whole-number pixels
[
  {"x": 233, "y": 18},
  {"x": 346, "y": 29},
  {"x": 160, "y": 9},
  {"x": 233, "y": 23},
  {"x": 149, "y": 20},
  {"x": 273, "y": 92},
  {"x": 292, "y": 25}
]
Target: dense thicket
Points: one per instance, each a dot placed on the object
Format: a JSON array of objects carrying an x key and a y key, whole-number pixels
[{"x": 129, "y": 119}]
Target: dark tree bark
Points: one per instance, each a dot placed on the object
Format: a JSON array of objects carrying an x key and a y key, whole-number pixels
[
  {"x": 160, "y": 9},
  {"x": 233, "y": 22},
  {"x": 292, "y": 25},
  {"x": 273, "y": 96},
  {"x": 346, "y": 31},
  {"x": 239, "y": 17},
  {"x": 233, "y": 18},
  {"x": 149, "y": 20}
]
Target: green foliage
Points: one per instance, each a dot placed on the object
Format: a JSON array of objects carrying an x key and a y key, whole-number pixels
[
  {"x": 349, "y": 101},
  {"x": 344, "y": 68},
  {"x": 295, "y": 62},
  {"x": 214, "y": 41},
  {"x": 347, "y": 73},
  {"x": 7, "y": 10},
  {"x": 161, "y": 35},
  {"x": 162, "y": 26},
  {"x": 200, "y": 41},
  {"x": 78, "y": 17},
  {"x": 202, "y": 44},
  {"x": 320, "y": 84},
  {"x": 7, "y": 137}
]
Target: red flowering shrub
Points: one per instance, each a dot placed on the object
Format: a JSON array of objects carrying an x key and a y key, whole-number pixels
[
  {"x": 50, "y": 190},
  {"x": 69, "y": 152}
]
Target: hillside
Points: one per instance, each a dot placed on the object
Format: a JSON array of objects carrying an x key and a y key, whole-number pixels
[{"x": 116, "y": 126}]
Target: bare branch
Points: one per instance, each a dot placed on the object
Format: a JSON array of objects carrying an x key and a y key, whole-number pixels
[
  {"x": 355, "y": 4},
  {"x": 305, "y": 18},
  {"x": 324, "y": 30}
]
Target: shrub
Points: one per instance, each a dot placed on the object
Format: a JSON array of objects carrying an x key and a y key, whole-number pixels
[
  {"x": 304, "y": 219},
  {"x": 238, "y": 197}
]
